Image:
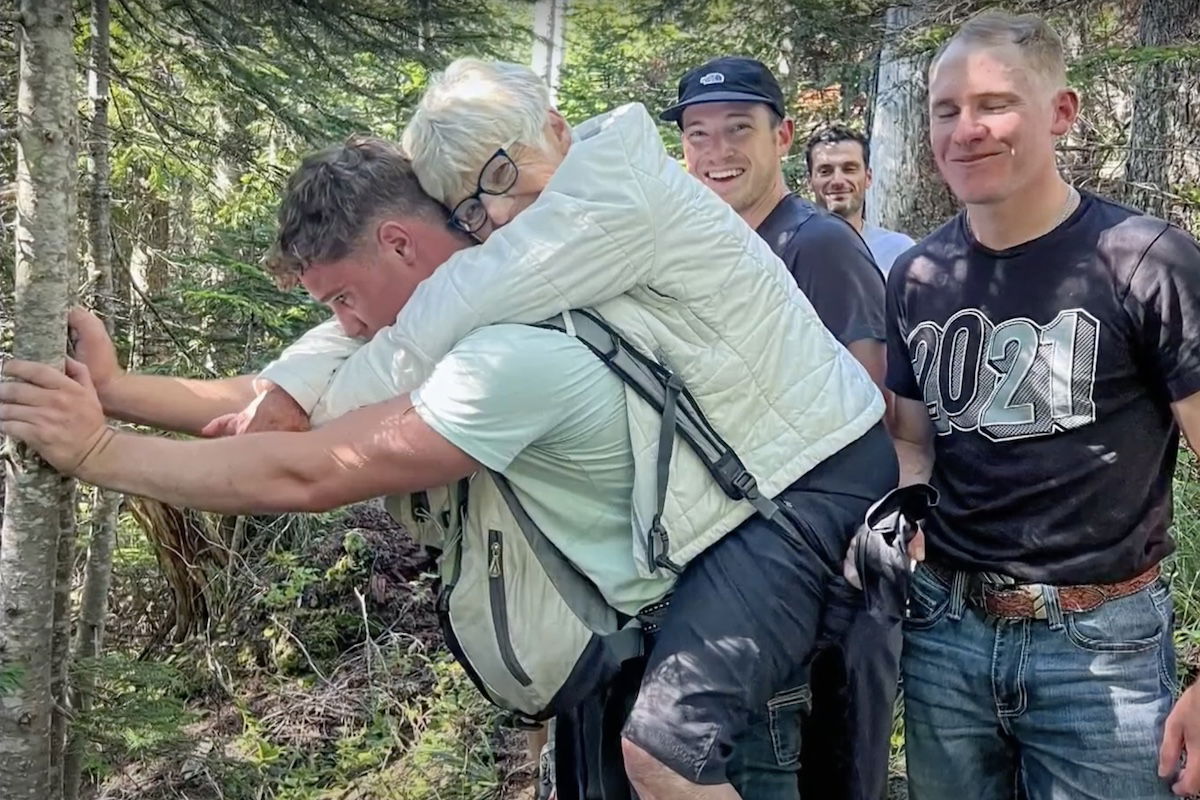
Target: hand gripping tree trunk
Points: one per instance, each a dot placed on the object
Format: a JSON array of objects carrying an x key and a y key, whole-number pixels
[
  {"x": 1164, "y": 137},
  {"x": 97, "y": 576},
  {"x": 44, "y": 261}
]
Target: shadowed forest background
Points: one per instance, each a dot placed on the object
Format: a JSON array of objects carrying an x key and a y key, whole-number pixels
[{"x": 297, "y": 657}]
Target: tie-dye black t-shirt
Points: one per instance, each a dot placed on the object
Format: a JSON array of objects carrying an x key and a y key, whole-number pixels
[{"x": 1048, "y": 371}]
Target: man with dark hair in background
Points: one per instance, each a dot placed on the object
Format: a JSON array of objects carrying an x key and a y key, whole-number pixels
[{"x": 839, "y": 174}]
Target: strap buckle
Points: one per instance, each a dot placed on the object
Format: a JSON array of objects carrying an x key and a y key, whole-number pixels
[
  {"x": 745, "y": 483},
  {"x": 658, "y": 534}
]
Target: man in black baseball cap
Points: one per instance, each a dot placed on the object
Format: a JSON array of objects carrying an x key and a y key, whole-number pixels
[
  {"x": 727, "y": 79},
  {"x": 735, "y": 131}
]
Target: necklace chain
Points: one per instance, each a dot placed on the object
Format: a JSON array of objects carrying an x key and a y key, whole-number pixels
[{"x": 1068, "y": 207}]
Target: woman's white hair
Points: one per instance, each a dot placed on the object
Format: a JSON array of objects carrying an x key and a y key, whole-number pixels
[{"x": 469, "y": 111}]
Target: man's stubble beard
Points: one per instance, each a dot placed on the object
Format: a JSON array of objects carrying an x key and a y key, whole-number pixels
[{"x": 851, "y": 210}]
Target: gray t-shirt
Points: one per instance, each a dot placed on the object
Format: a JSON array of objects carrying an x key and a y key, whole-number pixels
[
  {"x": 537, "y": 406},
  {"x": 886, "y": 246}
]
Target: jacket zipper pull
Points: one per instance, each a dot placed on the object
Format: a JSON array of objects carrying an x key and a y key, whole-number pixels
[{"x": 494, "y": 560}]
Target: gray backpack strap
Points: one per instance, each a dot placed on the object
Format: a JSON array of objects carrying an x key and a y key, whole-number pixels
[
  {"x": 666, "y": 444},
  {"x": 577, "y": 591},
  {"x": 681, "y": 414}
]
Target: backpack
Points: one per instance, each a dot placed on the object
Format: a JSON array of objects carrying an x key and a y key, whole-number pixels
[{"x": 533, "y": 632}]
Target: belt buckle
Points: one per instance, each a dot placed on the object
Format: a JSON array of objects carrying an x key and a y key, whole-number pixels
[
  {"x": 1030, "y": 594},
  {"x": 1037, "y": 599}
]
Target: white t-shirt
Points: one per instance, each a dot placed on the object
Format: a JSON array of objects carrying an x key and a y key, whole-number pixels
[
  {"x": 885, "y": 246},
  {"x": 537, "y": 406}
]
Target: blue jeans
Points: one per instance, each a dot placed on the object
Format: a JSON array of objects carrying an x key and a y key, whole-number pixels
[
  {"x": 765, "y": 762},
  {"x": 1071, "y": 706}
]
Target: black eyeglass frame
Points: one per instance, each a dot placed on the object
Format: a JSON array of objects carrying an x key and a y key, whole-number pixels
[{"x": 456, "y": 220}]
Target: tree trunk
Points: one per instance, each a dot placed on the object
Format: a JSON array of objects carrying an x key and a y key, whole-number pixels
[
  {"x": 549, "y": 27},
  {"x": 148, "y": 277},
  {"x": 1164, "y": 137},
  {"x": 100, "y": 269},
  {"x": 45, "y": 260},
  {"x": 89, "y": 633},
  {"x": 97, "y": 576},
  {"x": 907, "y": 194},
  {"x": 61, "y": 652}
]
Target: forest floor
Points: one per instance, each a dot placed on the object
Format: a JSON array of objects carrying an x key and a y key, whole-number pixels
[{"x": 293, "y": 701}]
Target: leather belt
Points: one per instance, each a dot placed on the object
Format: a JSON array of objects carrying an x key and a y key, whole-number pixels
[{"x": 1027, "y": 600}]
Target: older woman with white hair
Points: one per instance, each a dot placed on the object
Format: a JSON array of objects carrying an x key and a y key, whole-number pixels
[
  {"x": 603, "y": 217},
  {"x": 485, "y": 141}
]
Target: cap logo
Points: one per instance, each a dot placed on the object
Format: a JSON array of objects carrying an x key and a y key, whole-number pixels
[{"x": 711, "y": 78}]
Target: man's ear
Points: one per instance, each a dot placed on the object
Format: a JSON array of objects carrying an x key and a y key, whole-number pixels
[
  {"x": 394, "y": 237},
  {"x": 560, "y": 131},
  {"x": 1066, "y": 111},
  {"x": 785, "y": 133},
  {"x": 870, "y": 177}
]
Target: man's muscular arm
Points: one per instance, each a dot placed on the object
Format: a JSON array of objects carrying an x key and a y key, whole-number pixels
[
  {"x": 377, "y": 450},
  {"x": 163, "y": 401},
  {"x": 913, "y": 437},
  {"x": 872, "y": 354},
  {"x": 1181, "y": 736},
  {"x": 1187, "y": 414},
  {"x": 174, "y": 404}
]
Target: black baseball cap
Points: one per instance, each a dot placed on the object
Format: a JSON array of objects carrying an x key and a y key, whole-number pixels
[{"x": 728, "y": 79}]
